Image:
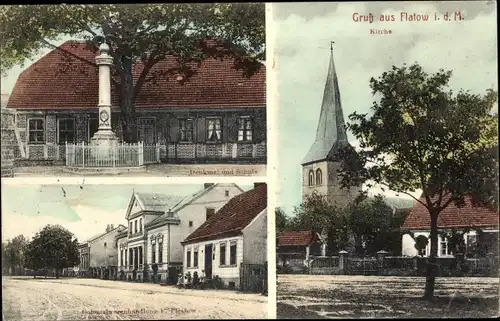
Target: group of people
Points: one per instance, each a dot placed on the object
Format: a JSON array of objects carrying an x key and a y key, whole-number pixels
[{"x": 195, "y": 281}]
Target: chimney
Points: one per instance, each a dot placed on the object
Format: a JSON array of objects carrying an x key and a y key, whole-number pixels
[
  {"x": 255, "y": 185},
  {"x": 207, "y": 185},
  {"x": 109, "y": 227}
]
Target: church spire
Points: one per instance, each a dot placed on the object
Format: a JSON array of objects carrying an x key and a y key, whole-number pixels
[{"x": 331, "y": 126}]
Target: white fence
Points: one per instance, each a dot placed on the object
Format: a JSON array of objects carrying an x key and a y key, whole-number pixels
[{"x": 116, "y": 155}]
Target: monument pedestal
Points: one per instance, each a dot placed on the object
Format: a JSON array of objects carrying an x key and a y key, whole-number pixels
[{"x": 104, "y": 143}]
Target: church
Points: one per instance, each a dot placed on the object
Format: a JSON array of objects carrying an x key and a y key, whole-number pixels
[{"x": 320, "y": 165}]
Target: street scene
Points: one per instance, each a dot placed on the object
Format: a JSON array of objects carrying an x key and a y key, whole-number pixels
[
  {"x": 134, "y": 251},
  {"x": 395, "y": 211},
  {"x": 89, "y": 299}
]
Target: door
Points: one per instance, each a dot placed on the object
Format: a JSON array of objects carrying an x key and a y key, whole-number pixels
[
  {"x": 208, "y": 261},
  {"x": 147, "y": 130}
]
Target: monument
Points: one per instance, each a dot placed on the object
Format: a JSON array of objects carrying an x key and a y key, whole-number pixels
[{"x": 104, "y": 140}]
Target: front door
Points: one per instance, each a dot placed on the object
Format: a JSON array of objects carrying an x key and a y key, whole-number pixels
[
  {"x": 208, "y": 261},
  {"x": 147, "y": 130}
]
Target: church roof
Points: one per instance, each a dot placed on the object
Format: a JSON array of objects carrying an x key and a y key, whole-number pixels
[{"x": 331, "y": 133}]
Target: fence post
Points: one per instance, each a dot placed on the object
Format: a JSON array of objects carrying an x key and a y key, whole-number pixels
[
  {"x": 157, "y": 152},
  {"x": 66, "y": 152},
  {"x": 114, "y": 154},
  {"x": 83, "y": 154},
  {"x": 380, "y": 259},
  {"x": 343, "y": 264}
]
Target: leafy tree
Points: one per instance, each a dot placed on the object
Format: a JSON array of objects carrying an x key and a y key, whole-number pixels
[
  {"x": 373, "y": 226},
  {"x": 53, "y": 247},
  {"x": 326, "y": 218},
  {"x": 282, "y": 221},
  {"x": 145, "y": 33},
  {"x": 14, "y": 252},
  {"x": 421, "y": 242},
  {"x": 421, "y": 135}
]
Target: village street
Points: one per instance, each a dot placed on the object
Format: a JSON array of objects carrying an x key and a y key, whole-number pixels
[
  {"x": 354, "y": 296},
  {"x": 91, "y": 299}
]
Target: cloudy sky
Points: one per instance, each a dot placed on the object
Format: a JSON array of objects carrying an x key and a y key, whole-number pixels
[
  {"x": 84, "y": 209},
  {"x": 302, "y": 52}
]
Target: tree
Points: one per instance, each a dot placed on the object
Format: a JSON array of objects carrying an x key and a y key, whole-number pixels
[
  {"x": 421, "y": 135},
  {"x": 421, "y": 242},
  {"x": 326, "y": 218},
  {"x": 53, "y": 247},
  {"x": 372, "y": 224},
  {"x": 281, "y": 220},
  {"x": 14, "y": 252},
  {"x": 140, "y": 33}
]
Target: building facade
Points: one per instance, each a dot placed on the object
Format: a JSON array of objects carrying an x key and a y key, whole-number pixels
[
  {"x": 215, "y": 115},
  {"x": 479, "y": 226},
  {"x": 235, "y": 236},
  {"x": 157, "y": 223},
  {"x": 99, "y": 255},
  {"x": 294, "y": 249}
]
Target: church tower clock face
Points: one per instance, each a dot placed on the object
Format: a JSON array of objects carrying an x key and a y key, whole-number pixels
[{"x": 104, "y": 116}]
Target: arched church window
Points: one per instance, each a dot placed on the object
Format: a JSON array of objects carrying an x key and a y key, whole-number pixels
[
  {"x": 311, "y": 177},
  {"x": 319, "y": 177}
]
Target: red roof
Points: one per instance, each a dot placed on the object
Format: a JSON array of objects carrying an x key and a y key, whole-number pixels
[
  {"x": 301, "y": 238},
  {"x": 233, "y": 217},
  {"x": 60, "y": 81},
  {"x": 452, "y": 217}
]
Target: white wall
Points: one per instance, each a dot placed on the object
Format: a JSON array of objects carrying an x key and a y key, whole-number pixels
[
  {"x": 162, "y": 230},
  {"x": 196, "y": 213},
  {"x": 224, "y": 272},
  {"x": 255, "y": 244},
  {"x": 408, "y": 243},
  {"x": 101, "y": 255}
]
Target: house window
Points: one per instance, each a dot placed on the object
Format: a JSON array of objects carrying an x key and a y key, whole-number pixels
[
  {"x": 311, "y": 178},
  {"x": 135, "y": 226},
  {"x": 319, "y": 177},
  {"x": 195, "y": 258},
  {"x": 153, "y": 253},
  {"x": 160, "y": 251},
  {"x": 66, "y": 130},
  {"x": 188, "y": 258},
  {"x": 140, "y": 225},
  {"x": 36, "y": 131},
  {"x": 92, "y": 128},
  {"x": 140, "y": 255},
  {"x": 214, "y": 131},
  {"x": 244, "y": 129},
  {"x": 122, "y": 252},
  {"x": 190, "y": 223},
  {"x": 209, "y": 213},
  {"x": 232, "y": 254},
  {"x": 444, "y": 247},
  {"x": 222, "y": 253},
  {"x": 105, "y": 244},
  {"x": 130, "y": 228},
  {"x": 186, "y": 129}
]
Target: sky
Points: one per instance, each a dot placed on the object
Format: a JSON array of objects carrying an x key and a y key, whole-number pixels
[
  {"x": 302, "y": 52},
  {"x": 83, "y": 209}
]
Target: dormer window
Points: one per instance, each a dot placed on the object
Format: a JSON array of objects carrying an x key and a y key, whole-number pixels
[
  {"x": 319, "y": 177},
  {"x": 311, "y": 177}
]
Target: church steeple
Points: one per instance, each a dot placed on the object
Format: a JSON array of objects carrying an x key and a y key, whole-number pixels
[{"x": 330, "y": 132}]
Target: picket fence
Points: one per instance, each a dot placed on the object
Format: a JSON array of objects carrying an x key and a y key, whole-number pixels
[{"x": 119, "y": 155}]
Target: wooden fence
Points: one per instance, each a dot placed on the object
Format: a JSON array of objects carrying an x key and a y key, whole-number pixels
[{"x": 253, "y": 277}]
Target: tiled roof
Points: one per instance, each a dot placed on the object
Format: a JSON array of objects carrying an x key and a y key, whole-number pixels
[
  {"x": 157, "y": 202},
  {"x": 234, "y": 216},
  {"x": 452, "y": 217},
  {"x": 60, "y": 81},
  {"x": 120, "y": 228},
  {"x": 301, "y": 238}
]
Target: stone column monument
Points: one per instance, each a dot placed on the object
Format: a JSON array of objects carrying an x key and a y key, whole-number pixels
[{"x": 105, "y": 139}]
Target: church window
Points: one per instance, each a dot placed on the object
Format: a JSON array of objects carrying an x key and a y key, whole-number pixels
[
  {"x": 319, "y": 177},
  {"x": 311, "y": 178}
]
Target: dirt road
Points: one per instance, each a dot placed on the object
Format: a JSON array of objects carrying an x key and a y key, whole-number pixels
[
  {"x": 90, "y": 299},
  {"x": 340, "y": 296}
]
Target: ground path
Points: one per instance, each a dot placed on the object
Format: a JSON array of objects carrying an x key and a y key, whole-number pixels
[
  {"x": 91, "y": 299},
  {"x": 340, "y": 296}
]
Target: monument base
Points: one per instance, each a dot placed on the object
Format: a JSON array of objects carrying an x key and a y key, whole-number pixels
[{"x": 104, "y": 143}]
